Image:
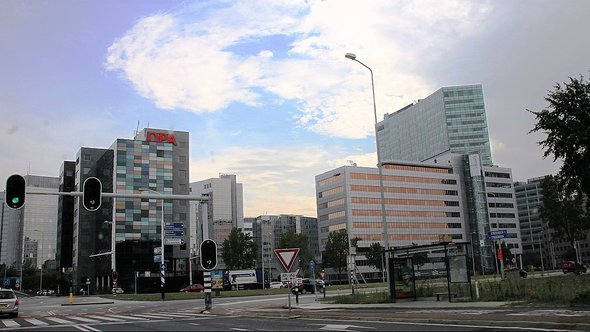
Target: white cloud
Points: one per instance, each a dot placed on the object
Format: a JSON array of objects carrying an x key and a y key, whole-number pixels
[
  {"x": 275, "y": 180},
  {"x": 181, "y": 60}
]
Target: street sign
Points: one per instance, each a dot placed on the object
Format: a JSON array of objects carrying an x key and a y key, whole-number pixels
[
  {"x": 157, "y": 258},
  {"x": 175, "y": 233},
  {"x": 322, "y": 274},
  {"x": 311, "y": 265},
  {"x": 286, "y": 277},
  {"x": 157, "y": 250},
  {"x": 173, "y": 225},
  {"x": 498, "y": 234},
  {"x": 6, "y": 282},
  {"x": 173, "y": 241},
  {"x": 287, "y": 257},
  {"x": 163, "y": 267}
]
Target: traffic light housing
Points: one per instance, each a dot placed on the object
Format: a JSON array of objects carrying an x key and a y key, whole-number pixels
[
  {"x": 208, "y": 254},
  {"x": 92, "y": 194},
  {"x": 15, "y": 191}
]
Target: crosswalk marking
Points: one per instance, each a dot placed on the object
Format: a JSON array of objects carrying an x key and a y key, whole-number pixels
[
  {"x": 82, "y": 319},
  {"x": 35, "y": 321},
  {"x": 10, "y": 323},
  {"x": 128, "y": 317},
  {"x": 92, "y": 319},
  {"x": 148, "y": 316},
  {"x": 165, "y": 315},
  {"x": 110, "y": 319},
  {"x": 59, "y": 320}
]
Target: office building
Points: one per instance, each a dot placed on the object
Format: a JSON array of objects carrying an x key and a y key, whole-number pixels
[
  {"x": 29, "y": 233},
  {"x": 154, "y": 162},
  {"x": 452, "y": 119},
  {"x": 453, "y": 195},
  {"x": 224, "y": 210}
]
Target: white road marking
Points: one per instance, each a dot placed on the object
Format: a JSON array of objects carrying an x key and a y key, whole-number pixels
[
  {"x": 35, "y": 321},
  {"x": 10, "y": 323},
  {"x": 111, "y": 319},
  {"x": 59, "y": 320},
  {"x": 82, "y": 319}
]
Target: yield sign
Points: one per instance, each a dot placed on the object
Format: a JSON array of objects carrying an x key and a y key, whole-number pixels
[{"x": 287, "y": 257}]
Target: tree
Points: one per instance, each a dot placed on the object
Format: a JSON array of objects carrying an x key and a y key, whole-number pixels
[
  {"x": 337, "y": 251},
  {"x": 375, "y": 256},
  {"x": 290, "y": 239},
  {"x": 566, "y": 122},
  {"x": 563, "y": 209},
  {"x": 239, "y": 251}
]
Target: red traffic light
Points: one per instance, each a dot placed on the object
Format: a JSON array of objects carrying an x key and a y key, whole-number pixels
[
  {"x": 15, "y": 191},
  {"x": 92, "y": 198}
]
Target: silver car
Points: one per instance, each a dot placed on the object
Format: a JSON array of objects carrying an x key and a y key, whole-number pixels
[{"x": 8, "y": 303}]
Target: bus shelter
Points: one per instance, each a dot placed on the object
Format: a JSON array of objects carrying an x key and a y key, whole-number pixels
[{"x": 440, "y": 269}]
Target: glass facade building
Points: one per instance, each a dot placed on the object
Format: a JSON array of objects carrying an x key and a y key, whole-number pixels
[
  {"x": 155, "y": 161},
  {"x": 452, "y": 119}
]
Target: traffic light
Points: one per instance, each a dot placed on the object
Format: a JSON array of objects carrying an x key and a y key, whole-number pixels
[
  {"x": 15, "y": 191},
  {"x": 208, "y": 254},
  {"x": 92, "y": 198}
]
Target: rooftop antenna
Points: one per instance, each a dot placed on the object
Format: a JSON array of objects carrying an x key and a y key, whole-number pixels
[{"x": 136, "y": 129}]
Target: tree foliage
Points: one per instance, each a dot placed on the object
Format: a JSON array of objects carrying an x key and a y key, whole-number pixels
[
  {"x": 562, "y": 208},
  {"x": 239, "y": 251},
  {"x": 336, "y": 250},
  {"x": 566, "y": 122},
  {"x": 375, "y": 256},
  {"x": 290, "y": 239}
]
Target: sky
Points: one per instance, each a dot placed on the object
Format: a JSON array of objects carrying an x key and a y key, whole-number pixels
[{"x": 263, "y": 87}]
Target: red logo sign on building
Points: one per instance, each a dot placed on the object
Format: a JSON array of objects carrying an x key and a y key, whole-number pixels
[
  {"x": 287, "y": 257},
  {"x": 153, "y": 136}
]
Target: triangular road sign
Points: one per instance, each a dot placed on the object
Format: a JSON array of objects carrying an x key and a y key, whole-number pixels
[{"x": 287, "y": 257}]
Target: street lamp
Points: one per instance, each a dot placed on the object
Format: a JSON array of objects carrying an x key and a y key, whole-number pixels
[
  {"x": 352, "y": 57},
  {"x": 42, "y": 243},
  {"x": 113, "y": 246},
  {"x": 163, "y": 262}
]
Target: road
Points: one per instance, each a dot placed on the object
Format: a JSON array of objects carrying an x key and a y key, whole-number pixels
[{"x": 271, "y": 313}]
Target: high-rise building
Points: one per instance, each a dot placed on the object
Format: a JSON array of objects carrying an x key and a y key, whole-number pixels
[
  {"x": 225, "y": 210},
  {"x": 452, "y": 119},
  {"x": 154, "y": 162},
  {"x": 29, "y": 234},
  {"x": 453, "y": 195},
  {"x": 528, "y": 199}
]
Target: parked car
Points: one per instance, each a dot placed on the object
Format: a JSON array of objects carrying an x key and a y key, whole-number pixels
[
  {"x": 118, "y": 290},
  {"x": 276, "y": 284},
  {"x": 571, "y": 266},
  {"x": 307, "y": 285},
  {"x": 8, "y": 303},
  {"x": 193, "y": 288}
]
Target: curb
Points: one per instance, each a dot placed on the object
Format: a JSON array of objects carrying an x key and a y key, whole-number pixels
[{"x": 86, "y": 303}]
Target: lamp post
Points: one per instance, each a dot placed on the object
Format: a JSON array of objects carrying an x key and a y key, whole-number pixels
[
  {"x": 163, "y": 262},
  {"x": 352, "y": 57},
  {"x": 42, "y": 243}
]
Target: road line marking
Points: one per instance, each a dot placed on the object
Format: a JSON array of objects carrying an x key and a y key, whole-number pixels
[
  {"x": 82, "y": 319},
  {"x": 107, "y": 318},
  {"x": 128, "y": 317},
  {"x": 10, "y": 323},
  {"x": 148, "y": 316},
  {"x": 91, "y": 328},
  {"x": 59, "y": 320},
  {"x": 165, "y": 315},
  {"x": 35, "y": 321}
]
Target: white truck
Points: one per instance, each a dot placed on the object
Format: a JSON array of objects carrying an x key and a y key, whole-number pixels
[{"x": 243, "y": 279}]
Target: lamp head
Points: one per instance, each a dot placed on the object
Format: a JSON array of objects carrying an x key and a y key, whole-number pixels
[{"x": 351, "y": 56}]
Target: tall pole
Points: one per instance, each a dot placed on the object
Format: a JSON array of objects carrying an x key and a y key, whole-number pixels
[{"x": 380, "y": 167}]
